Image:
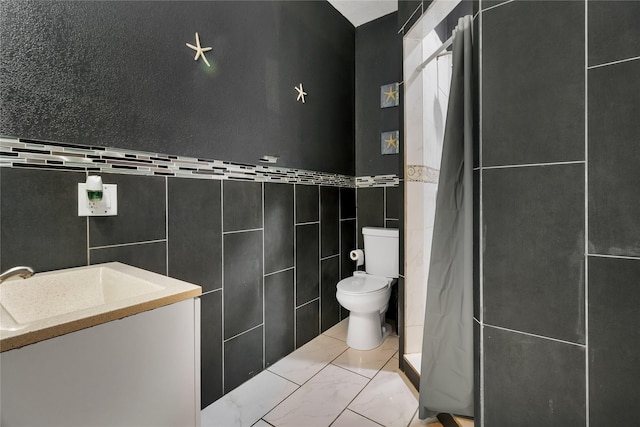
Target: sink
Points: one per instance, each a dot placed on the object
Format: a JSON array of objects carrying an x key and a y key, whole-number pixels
[
  {"x": 68, "y": 291},
  {"x": 58, "y": 302}
]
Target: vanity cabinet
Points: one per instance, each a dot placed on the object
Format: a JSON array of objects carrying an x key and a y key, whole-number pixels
[{"x": 141, "y": 370}]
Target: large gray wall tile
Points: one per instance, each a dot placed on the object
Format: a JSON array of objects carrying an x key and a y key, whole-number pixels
[
  {"x": 530, "y": 381},
  {"x": 614, "y": 359},
  {"x": 279, "y": 319},
  {"x": 614, "y": 159},
  {"x": 40, "y": 226},
  {"x": 141, "y": 212},
  {"x": 242, "y": 288},
  {"x": 613, "y": 30},
  {"x": 243, "y": 358},
  {"x": 211, "y": 347},
  {"x": 534, "y": 250},
  {"x": 307, "y": 263},
  {"x": 242, "y": 205},
  {"x": 195, "y": 232},
  {"x": 533, "y": 83},
  {"x": 278, "y": 227},
  {"x": 329, "y": 221}
]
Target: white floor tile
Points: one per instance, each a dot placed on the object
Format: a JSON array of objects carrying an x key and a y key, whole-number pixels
[
  {"x": 261, "y": 423},
  {"x": 339, "y": 331},
  {"x": 369, "y": 362},
  {"x": 309, "y": 359},
  {"x": 248, "y": 403},
  {"x": 319, "y": 401},
  {"x": 351, "y": 419},
  {"x": 388, "y": 399}
]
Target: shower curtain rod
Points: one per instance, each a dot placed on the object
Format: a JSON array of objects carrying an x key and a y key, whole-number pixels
[{"x": 435, "y": 54}]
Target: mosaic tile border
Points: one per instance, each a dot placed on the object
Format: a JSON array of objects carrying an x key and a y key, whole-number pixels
[
  {"x": 27, "y": 153},
  {"x": 377, "y": 181},
  {"x": 421, "y": 173}
]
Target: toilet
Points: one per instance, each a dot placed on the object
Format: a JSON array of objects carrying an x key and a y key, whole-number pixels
[{"x": 366, "y": 293}]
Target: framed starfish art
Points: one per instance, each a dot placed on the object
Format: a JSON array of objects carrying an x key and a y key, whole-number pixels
[
  {"x": 389, "y": 142},
  {"x": 389, "y": 95}
]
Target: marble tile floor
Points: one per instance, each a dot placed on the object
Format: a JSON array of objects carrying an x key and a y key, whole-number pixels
[{"x": 324, "y": 383}]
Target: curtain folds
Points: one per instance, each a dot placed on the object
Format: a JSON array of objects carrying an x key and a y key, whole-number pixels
[{"x": 446, "y": 380}]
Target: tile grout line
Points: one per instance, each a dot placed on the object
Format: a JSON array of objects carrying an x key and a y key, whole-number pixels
[
  {"x": 119, "y": 245},
  {"x": 264, "y": 290},
  {"x": 242, "y": 333},
  {"x": 222, "y": 277},
  {"x": 166, "y": 224},
  {"x": 527, "y": 165},
  {"x": 319, "y": 259},
  {"x": 279, "y": 271},
  {"x": 586, "y": 209},
  {"x": 295, "y": 269},
  {"x": 606, "y": 64},
  {"x": 242, "y": 231},
  {"x": 480, "y": 220},
  {"x": 636, "y": 258},
  {"x": 87, "y": 226},
  {"x": 535, "y": 335},
  {"x": 307, "y": 303}
]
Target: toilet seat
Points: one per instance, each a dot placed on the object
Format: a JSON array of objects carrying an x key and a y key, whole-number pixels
[{"x": 359, "y": 284}]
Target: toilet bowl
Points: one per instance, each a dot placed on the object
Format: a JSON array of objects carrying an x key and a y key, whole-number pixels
[
  {"x": 366, "y": 293},
  {"x": 367, "y": 298}
]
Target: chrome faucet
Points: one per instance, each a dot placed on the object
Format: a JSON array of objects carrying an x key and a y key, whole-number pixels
[{"x": 22, "y": 271}]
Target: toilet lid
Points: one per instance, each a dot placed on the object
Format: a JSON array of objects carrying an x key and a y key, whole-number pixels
[{"x": 362, "y": 284}]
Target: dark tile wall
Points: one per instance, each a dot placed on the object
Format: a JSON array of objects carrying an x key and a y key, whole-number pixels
[
  {"x": 614, "y": 132},
  {"x": 534, "y": 249},
  {"x": 149, "y": 256},
  {"x": 195, "y": 231},
  {"x": 559, "y": 237},
  {"x": 210, "y": 233},
  {"x": 614, "y": 359},
  {"x": 242, "y": 283},
  {"x": 40, "y": 226},
  {"x": 278, "y": 227},
  {"x": 545, "y": 103},
  {"x": 371, "y": 209},
  {"x": 531, "y": 380},
  {"x": 211, "y": 346},
  {"x": 307, "y": 263},
  {"x": 613, "y": 210},
  {"x": 141, "y": 212},
  {"x": 279, "y": 315}
]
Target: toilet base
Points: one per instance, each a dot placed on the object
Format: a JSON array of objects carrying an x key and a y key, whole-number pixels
[{"x": 365, "y": 331}]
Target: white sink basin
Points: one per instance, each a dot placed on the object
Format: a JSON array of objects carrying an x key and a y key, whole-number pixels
[
  {"x": 58, "y": 302},
  {"x": 52, "y": 294}
]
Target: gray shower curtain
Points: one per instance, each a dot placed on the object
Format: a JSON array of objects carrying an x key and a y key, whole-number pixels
[{"x": 446, "y": 379}]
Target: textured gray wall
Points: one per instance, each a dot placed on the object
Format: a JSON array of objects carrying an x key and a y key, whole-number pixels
[
  {"x": 378, "y": 62},
  {"x": 119, "y": 74}
]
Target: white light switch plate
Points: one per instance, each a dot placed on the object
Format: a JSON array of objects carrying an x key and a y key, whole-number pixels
[{"x": 108, "y": 206}]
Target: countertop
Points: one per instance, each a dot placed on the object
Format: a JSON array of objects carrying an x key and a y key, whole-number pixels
[{"x": 169, "y": 291}]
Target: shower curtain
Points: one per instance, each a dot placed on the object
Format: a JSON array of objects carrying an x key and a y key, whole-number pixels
[{"x": 446, "y": 379}]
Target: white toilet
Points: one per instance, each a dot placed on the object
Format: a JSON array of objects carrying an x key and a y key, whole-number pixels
[{"x": 366, "y": 294}]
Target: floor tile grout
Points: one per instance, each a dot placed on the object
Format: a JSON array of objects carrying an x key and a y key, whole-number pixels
[{"x": 349, "y": 363}]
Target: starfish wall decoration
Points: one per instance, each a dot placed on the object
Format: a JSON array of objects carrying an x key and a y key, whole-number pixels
[
  {"x": 200, "y": 50},
  {"x": 301, "y": 93},
  {"x": 389, "y": 142},
  {"x": 389, "y": 95}
]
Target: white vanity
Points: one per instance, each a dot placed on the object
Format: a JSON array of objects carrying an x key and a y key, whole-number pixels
[{"x": 105, "y": 345}]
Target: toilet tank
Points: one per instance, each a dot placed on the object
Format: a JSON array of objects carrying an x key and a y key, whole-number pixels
[{"x": 381, "y": 251}]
